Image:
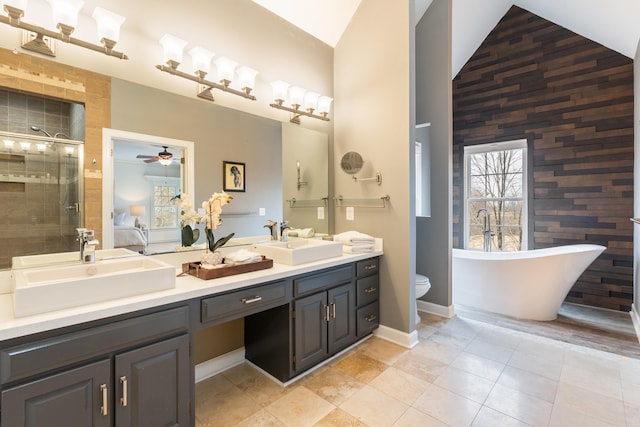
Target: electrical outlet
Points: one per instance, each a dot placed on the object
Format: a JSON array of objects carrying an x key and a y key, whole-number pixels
[
  {"x": 262, "y": 212},
  {"x": 320, "y": 212},
  {"x": 350, "y": 213}
]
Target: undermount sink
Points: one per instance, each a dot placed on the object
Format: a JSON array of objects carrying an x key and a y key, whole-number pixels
[
  {"x": 29, "y": 261},
  {"x": 40, "y": 290},
  {"x": 299, "y": 251}
]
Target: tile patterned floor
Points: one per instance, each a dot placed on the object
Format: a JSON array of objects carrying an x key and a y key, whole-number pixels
[{"x": 463, "y": 373}]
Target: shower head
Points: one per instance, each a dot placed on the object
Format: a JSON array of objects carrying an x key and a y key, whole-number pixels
[
  {"x": 61, "y": 135},
  {"x": 37, "y": 129}
]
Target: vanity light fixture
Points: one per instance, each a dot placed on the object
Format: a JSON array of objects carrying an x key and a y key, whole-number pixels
[
  {"x": 8, "y": 144},
  {"x": 26, "y": 146},
  {"x": 41, "y": 148},
  {"x": 201, "y": 61},
  {"x": 300, "y": 102},
  {"x": 65, "y": 16}
]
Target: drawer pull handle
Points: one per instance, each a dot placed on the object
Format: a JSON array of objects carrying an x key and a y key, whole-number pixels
[
  {"x": 251, "y": 300},
  {"x": 371, "y": 318},
  {"x": 370, "y": 267},
  {"x": 369, "y": 290},
  {"x": 326, "y": 313},
  {"x": 333, "y": 310},
  {"x": 123, "y": 399},
  {"x": 103, "y": 409}
]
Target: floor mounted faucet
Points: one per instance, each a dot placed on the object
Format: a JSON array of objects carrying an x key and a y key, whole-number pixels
[{"x": 487, "y": 229}]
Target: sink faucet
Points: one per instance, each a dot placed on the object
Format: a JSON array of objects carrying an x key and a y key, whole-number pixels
[
  {"x": 487, "y": 229},
  {"x": 284, "y": 227},
  {"x": 88, "y": 245},
  {"x": 273, "y": 231}
]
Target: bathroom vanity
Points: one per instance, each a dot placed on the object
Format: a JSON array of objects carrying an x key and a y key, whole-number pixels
[{"x": 129, "y": 362}]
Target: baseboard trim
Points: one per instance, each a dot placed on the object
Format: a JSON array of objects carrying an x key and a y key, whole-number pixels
[
  {"x": 635, "y": 319},
  {"x": 437, "y": 309},
  {"x": 219, "y": 364},
  {"x": 407, "y": 340}
]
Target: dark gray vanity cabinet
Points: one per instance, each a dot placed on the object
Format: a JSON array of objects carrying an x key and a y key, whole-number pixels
[
  {"x": 368, "y": 294},
  {"x": 132, "y": 372},
  {"x": 324, "y": 319}
]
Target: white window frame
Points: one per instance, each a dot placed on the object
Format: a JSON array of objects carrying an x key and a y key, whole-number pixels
[{"x": 488, "y": 148}]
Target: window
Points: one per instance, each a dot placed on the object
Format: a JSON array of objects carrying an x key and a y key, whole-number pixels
[
  {"x": 495, "y": 180},
  {"x": 165, "y": 211}
]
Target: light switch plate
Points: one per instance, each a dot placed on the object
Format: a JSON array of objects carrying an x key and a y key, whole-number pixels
[
  {"x": 350, "y": 213},
  {"x": 320, "y": 212},
  {"x": 262, "y": 212}
]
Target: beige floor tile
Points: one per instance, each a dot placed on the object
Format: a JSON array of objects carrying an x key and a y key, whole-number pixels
[
  {"x": 301, "y": 407},
  {"x": 488, "y": 417},
  {"x": 450, "y": 339},
  {"x": 261, "y": 418},
  {"x": 414, "y": 418},
  {"x": 536, "y": 364},
  {"x": 465, "y": 384},
  {"x": 563, "y": 416},
  {"x": 500, "y": 337},
  {"x": 446, "y": 406},
  {"x": 521, "y": 406},
  {"x": 373, "y": 407},
  {"x": 225, "y": 409},
  {"x": 332, "y": 384},
  {"x": 400, "y": 385},
  {"x": 444, "y": 353},
  {"x": 421, "y": 367},
  {"x": 263, "y": 389},
  {"x": 425, "y": 331},
  {"x": 488, "y": 350},
  {"x": 241, "y": 373},
  {"x": 630, "y": 392},
  {"x": 478, "y": 365},
  {"x": 361, "y": 367},
  {"x": 212, "y": 386},
  {"x": 381, "y": 350},
  {"x": 339, "y": 418},
  {"x": 462, "y": 327},
  {"x": 529, "y": 383},
  {"x": 632, "y": 414},
  {"x": 591, "y": 403},
  {"x": 605, "y": 383}
]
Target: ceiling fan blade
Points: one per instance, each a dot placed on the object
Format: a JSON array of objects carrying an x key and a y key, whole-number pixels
[
  {"x": 144, "y": 156},
  {"x": 151, "y": 160}
]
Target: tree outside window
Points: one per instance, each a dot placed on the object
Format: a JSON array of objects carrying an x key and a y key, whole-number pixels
[
  {"x": 496, "y": 181},
  {"x": 165, "y": 211}
]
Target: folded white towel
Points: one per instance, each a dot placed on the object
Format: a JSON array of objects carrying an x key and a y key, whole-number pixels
[
  {"x": 242, "y": 256},
  {"x": 354, "y": 238},
  {"x": 357, "y": 249}
]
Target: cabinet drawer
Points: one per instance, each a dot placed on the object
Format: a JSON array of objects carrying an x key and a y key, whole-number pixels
[
  {"x": 368, "y": 318},
  {"x": 34, "y": 358},
  {"x": 244, "y": 302},
  {"x": 323, "y": 280},
  {"x": 367, "y": 267},
  {"x": 368, "y": 290}
]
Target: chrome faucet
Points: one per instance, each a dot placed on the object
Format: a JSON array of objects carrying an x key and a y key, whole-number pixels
[
  {"x": 487, "y": 229},
  {"x": 273, "y": 231},
  {"x": 284, "y": 227},
  {"x": 88, "y": 245}
]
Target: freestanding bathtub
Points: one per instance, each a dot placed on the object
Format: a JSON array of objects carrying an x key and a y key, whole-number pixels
[{"x": 526, "y": 285}]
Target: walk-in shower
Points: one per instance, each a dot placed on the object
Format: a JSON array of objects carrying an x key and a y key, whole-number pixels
[{"x": 41, "y": 188}]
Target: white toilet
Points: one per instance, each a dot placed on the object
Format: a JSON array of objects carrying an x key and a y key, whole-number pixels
[{"x": 422, "y": 287}]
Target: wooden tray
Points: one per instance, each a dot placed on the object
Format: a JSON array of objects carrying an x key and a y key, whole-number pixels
[{"x": 193, "y": 268}]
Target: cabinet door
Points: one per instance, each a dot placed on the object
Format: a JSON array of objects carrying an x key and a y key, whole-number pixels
[
  {"x": 310, "y": 330},
  {"x": 152, "y": 385},
  {"x": 71, "y": 398},
  {"x": 342, "y": 317}
]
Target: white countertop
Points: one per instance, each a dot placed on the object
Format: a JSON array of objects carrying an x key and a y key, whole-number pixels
[{"x": 187, "y": 287}]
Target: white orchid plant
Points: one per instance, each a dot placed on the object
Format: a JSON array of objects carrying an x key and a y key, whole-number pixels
[
  {"x": 213, "y": 209},
  {"x": 188, "y": 218}
]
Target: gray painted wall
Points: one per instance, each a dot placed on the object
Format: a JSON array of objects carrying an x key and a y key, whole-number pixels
[
  {"x": 219, "y": 134},
  {"x": 433, "y": 105}
]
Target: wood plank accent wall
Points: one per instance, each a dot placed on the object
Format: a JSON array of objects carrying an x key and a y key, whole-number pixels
[{"x": 572, "y": 99}]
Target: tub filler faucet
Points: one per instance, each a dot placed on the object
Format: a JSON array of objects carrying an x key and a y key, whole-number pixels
[
  {"x": 88, "y": 245},
  {"x": 487, "y": 229}
]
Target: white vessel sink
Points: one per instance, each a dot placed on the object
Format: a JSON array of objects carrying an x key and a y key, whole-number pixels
[
  {"x": 29, "y": 261},
  {"x": 40, "y": 290},
  {"x": 299, "y": 251}
]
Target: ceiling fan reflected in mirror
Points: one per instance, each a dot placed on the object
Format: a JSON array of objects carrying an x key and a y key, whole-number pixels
[{"x": 164, "y": 157}]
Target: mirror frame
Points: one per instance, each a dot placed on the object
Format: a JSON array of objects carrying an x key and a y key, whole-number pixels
[{"x": 108, "y": 137}]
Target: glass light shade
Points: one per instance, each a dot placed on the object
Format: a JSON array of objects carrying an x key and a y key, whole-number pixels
[
  {"x": 226, "y": 68},
  {"x": 66, "y": 11},
  {"x": 173, "y": 48},
  {"x": 69, "y": 150},
  {"x": 201, "y": 59},
  {"x": 280, "y": 90},
  {"x": 18, "y": 4},
  {"x": 109, "y": 24},
  {"x": 324, "y": 104},
  {"x": 296, "y": 95},
  {"x": 165, "y": 162},
  {"x": 8, "y": 143},
  {"x": 311, "y": 100},
  {"x": 136, "y": 210},
  {"x": 247, "y": 77},
  {"x": 41, "y": 147},
  {"x": 25, "y": 146}
]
